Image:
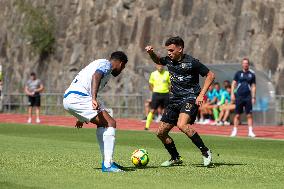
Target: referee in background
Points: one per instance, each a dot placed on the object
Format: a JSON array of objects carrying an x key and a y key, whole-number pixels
[{"x": 159, "y": 84}]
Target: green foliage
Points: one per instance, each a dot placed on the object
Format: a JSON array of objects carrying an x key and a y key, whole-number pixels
[
  {"x": 38, "y": 28},
  {"x": 34, "y": 156}
]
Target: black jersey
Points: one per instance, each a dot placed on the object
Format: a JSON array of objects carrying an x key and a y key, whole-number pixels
[{"x": 184, "y": 76}]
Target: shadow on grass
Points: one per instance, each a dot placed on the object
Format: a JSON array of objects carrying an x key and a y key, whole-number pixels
[
  {"x": 132, "y": 168},
  {"x": 214, "y": 165}
]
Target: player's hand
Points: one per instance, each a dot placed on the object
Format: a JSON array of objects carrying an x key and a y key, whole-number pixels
[
  {"x": 31, "y": 93},
  {"x": 95, "y": 104},
  {"x": 253, "y": 100},
  {"x": 199, "y": 99},
  {"x": 149, "y": 49},
  {"x": 79, "y": 124}
]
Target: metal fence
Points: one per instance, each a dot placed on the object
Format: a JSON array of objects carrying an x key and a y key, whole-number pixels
[
  {"x": 280, "y": 109},
  {"x": 122, "y": 105},
  {"x": 128, "y": 106}
]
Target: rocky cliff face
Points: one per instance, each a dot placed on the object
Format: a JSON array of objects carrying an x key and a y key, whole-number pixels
[{"x": 219, "y": 31}]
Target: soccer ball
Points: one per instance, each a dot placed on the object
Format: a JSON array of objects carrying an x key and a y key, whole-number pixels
[{"x": 140, "y": 158}]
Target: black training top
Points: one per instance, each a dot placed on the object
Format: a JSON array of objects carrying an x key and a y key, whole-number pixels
[
  {"x": 184, "y": 76},
  {"x": 244, "y": 81}
]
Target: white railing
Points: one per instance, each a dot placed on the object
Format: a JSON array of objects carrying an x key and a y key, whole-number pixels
[{"x": 122, "y": 105}]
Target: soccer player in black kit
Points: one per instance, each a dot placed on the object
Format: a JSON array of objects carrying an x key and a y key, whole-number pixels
[{"x": 185, "y": 97}]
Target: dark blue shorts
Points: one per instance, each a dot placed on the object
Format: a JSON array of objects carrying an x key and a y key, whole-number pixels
[{"x": 243, "y": 103}]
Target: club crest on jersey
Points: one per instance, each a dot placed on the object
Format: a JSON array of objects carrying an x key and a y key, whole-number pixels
[{"x": 183, "y": 65}]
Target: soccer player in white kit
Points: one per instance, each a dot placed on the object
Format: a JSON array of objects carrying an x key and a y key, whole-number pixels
[{"x": 80, "y": 100}]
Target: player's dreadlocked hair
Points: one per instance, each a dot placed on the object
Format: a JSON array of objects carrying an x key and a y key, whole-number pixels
[
  {"x": 119, "y": 55},
  {"x": 176, "y": 41}
]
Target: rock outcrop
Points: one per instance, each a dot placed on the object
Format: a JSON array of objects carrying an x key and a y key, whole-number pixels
[{"x": 220, "y": 31}]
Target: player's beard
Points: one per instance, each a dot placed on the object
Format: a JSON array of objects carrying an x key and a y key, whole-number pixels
[{"x": 115, "y": 73}]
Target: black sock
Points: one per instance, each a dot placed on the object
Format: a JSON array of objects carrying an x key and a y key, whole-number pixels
[
  {"x": 198, "y": 142},
  {"x": 172, "y": 150}
]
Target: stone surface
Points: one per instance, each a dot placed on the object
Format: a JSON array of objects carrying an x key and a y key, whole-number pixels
[{"x": 219, "y": 31}]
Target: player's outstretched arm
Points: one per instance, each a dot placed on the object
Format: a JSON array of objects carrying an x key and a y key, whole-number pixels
[
  {"x": 208, "y": 81},
  {"x": 152, "y": 54}
]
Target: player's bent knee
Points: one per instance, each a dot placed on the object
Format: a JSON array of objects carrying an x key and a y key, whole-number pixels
[
  {"x": 237, "y": 116},
  {"x": 187, "y": 130},
  {"x": 249, "y": 115}
]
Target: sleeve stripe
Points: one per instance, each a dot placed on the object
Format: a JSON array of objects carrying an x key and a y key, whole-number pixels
[{"x": 101, "y": 72}]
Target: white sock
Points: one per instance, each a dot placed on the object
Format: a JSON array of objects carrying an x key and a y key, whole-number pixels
[
  {"x": 109, "y": 140},
  {"x": 100, "y": 133},
  {"x": 250, "y": 129}
]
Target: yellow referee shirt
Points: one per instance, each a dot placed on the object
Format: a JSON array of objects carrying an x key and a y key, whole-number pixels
[{"x": 160, "y": 81}]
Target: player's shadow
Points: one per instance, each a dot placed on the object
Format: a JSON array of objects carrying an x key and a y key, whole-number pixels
[
  {"x": 126, "y": 169},
  {"x": 214, "y": 165}
]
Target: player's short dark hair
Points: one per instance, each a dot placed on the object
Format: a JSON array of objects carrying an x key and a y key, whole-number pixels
[
  {"x": 120, "y": 56},
  {"x": 33, "y": 74},
  {"x": 178, "y": 41}
]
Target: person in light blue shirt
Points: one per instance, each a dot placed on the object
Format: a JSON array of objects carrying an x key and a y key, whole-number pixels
[{"x": 226, "y": 106}]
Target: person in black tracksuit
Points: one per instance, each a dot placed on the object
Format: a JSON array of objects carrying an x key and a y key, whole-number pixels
[{"x": 185, "y": 97}]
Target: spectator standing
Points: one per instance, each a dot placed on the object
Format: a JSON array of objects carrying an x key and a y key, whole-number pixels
[
  {"x": 1, "y": 88},
  {"x": 33, "y": 88},
  {"x": 244, "y": 96}
]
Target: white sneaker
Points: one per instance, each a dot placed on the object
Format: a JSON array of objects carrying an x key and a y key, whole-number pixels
[
  {"x": 214, "y": 123},
  {"x": 234, "y": 132},
  {"x": 29, "y": 120},
  {"x": 37, "y": 120},
  {"x": 220, "y": 123},
  {"x": 206, "y": 121},
  {"x": 227, "y": 123},
  {"x": 207, "y": 157},
  {"x": 251, "y": 134}
]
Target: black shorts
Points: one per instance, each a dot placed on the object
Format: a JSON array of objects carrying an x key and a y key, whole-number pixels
[
  {"x": 171, "y": 114},
  {"x": 159, "y": 99},
  {"x": 34, "y": 100},
  {"x": 241, "y": 103}
]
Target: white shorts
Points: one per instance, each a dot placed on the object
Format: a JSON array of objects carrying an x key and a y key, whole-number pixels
[{"x": 81, "y": 107}]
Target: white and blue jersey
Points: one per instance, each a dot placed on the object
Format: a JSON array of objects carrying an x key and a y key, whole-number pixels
[
  {"x": 83, "y": 81},
  {"x": 78, "y": 97}
]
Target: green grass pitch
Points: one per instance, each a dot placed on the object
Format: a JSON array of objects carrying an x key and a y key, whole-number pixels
[{"x": 43, "y": 157}]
